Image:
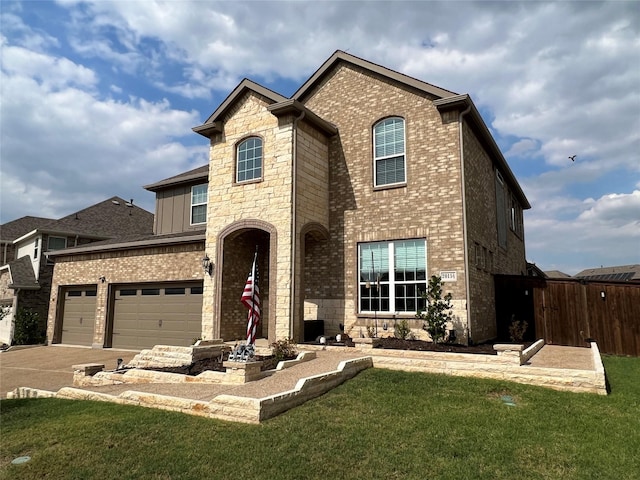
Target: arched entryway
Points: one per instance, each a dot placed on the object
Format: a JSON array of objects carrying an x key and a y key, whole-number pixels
[{"x": 237, "y": 246}]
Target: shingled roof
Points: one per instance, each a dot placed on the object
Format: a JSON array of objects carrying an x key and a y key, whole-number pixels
[
  {"x": 113, "y": 217},
  {"x": 22, "y": 275},
  {"x": 622, "y": 273},
  {"x": 17, "y": 228}
]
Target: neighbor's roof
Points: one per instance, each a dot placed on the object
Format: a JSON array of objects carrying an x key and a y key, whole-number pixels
[
  {"x": 556, "y": 274},
  {"x": 114, "y": 217},
  {"x": 197, "y": 174},
  {"x": 22, "y": 275},
  {"x": 17, "y": 228},
  {"x": 620, "y": 273}
]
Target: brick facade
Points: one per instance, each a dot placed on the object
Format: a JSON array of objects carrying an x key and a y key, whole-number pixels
[{"x": 145, "y": 265}]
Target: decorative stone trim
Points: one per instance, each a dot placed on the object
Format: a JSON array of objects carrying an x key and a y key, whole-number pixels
[{"x": 509, "y": 353}]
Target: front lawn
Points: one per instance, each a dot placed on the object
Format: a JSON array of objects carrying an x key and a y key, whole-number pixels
[{"x": 380, "y": 425}]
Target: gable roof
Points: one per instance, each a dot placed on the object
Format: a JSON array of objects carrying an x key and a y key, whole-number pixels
[
  {"x": 622, "y": 273},
  {"x": 213, "y": 124},
  {"x": 197, "y": 174},
  {"x": 340, "y": 56},
  {"x": 279, "y": 105}
]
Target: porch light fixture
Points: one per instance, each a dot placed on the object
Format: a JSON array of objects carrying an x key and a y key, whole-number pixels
[
  {"x": 602, "y": 294},
  {"x": 207, "y": 264}
]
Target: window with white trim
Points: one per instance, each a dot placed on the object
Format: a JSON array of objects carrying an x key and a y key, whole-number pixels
[
  {"x": 392, "y": 276},
  {"x": 249, "y": 160},
  {"x": 199, "y": 204},
  {"x": 389, "y": 166},
  {"x": 36, "y": 248}
]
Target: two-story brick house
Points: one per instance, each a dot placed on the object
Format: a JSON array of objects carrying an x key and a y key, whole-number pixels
[{"x": 355, "y": 191}]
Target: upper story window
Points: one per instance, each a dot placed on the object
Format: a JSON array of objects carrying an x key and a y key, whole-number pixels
[
  {"x": 249, "y": 160},
  {"x": 36, "y": 248},
  {"x": 392, "y": 276},
  {"x": 56, "y": 243},
  {"x": 199, "y": 204},
  {"x": 501, "y": 210},
  {"x": 389, "y": 166}
]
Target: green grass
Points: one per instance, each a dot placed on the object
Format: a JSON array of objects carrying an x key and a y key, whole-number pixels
[{"x": 380, "y": 425}]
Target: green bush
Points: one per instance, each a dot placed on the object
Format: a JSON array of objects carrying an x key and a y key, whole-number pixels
[
  {"x": 438, "y": 311},
  {"x": 27, "y": 328},
  {"x": 402, "y": 330},
  {"x": 284, "y": 349}
]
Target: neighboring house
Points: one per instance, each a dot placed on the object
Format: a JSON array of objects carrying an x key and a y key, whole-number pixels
[
  {"x": 144, "y": 289},
  {"x": 363, "y": 174},
  {"x": 555, "y": 274},
  {"x": 27, "y": 243},
  {"x": 622, "y": 273},
  {"x": 363, "y": 178}
]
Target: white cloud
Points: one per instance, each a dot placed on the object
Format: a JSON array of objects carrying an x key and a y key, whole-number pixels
[{"x": 64, "y": 147}]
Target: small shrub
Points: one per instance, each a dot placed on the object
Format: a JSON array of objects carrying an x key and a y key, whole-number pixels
[
  {"x": 284, "y": 349},
  {"x": 517, "y": 330},
  {"x": 438, "y": 311},
  {"x": 402, "y": 330},
  {"x": 27, "y": 328}
]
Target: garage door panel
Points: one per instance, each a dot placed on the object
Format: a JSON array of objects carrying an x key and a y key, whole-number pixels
[
  {"x": 79, "y": 315},
  {"x": 141, "y": 321}
]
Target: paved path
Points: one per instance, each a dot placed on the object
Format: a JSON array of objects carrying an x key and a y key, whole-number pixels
[
  {"x": 558, "y": 356},
  {"x": 49, "y": 368}
]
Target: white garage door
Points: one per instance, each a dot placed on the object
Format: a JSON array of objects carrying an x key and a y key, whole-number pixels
[
  {"x": 79, "y": 316},
  {"x": 159, "y": 314}
]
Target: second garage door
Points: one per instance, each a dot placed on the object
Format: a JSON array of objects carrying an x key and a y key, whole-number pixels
[{"x": 160, "y": 314}]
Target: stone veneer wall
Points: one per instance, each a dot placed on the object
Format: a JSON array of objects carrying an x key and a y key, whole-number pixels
[
  {"x": 154, "y": 264},
  {"x": 268, "y": 200},
  {"x": 429, "y": 206}
]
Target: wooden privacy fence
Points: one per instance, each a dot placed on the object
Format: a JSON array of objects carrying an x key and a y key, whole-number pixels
[{"x": 570, "y": 311}]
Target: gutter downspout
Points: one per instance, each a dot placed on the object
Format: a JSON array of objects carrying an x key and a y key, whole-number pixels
[
  {"x": 294, "y": 234},
  {"x": 464, "y": 224}
]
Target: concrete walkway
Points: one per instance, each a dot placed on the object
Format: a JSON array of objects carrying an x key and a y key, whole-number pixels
[
  {"x": 49, "y": 368},
  {"x": 47, "y": 371}
]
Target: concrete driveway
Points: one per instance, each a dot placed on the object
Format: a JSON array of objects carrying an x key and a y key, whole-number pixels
[{"x": 49, "y": 368}]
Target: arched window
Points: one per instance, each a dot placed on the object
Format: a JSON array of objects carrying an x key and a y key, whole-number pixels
[
  {"x": 388, "y": 152},
  {"x": 249, "y": 160}
]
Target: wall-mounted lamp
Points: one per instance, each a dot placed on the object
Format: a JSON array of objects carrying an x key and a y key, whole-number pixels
[
  {"x": 207, "y": 264},
  {"x": 602, "y": 294},
  {"x": 103, "y": 279},
  {"x": 526, "y": 293}
]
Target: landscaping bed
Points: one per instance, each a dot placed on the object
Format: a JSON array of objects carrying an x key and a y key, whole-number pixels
[{"x": 422, "y": 345}]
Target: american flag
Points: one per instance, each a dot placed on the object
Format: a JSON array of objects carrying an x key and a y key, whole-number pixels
[{"x": 251, "y": 299}]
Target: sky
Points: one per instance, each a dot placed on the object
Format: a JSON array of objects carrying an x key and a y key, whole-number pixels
[{"x": 98, "y": 98}]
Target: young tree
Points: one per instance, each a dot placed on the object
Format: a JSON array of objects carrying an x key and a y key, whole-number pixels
[{"x": 438, "y": 310}]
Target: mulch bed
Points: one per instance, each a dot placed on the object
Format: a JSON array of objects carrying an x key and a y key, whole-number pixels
[{"x": 421, "y": 345}]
